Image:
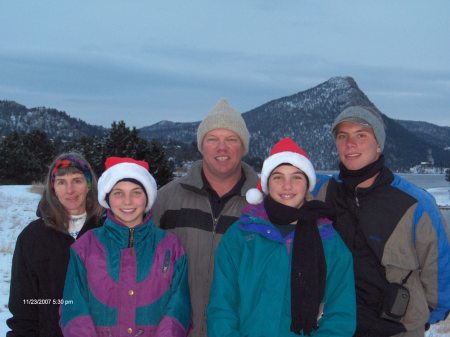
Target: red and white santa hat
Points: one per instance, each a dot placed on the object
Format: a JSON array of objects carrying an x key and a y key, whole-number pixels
[
  {"x": 120, "y": 168},
  {"x": 286, "y": 151}
]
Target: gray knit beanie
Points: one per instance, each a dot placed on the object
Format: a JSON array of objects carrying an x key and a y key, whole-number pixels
[
  {"x": 223, "y": 116},
  {"x": 363, "y": 115}
]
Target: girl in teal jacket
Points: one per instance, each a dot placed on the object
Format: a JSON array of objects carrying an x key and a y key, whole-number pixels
[
  {"x": 127, "y": 278},
  {"x": 281, "y": 269}
]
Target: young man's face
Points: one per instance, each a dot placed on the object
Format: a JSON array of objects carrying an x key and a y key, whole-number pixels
[
  {"x": 356, "y": 145},
  {"x": 222, "y": 152}
]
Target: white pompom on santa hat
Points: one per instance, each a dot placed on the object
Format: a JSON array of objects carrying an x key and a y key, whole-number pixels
[
  {"x": 120, "y": 168},
  {"x": 286, "y": 151}
]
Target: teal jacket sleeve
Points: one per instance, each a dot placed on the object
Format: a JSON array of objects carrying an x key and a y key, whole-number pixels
[
  {"x": 223, "y": 308},
  {"x": 75, "y": 318},
  {"x": 177, "y": 319}
]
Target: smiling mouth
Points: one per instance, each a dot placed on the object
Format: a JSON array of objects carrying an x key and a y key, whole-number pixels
[
  {"x": 128, "y": 211},
  {"x": 287, "y": 196},
  {"x": 222, "y": 158}
]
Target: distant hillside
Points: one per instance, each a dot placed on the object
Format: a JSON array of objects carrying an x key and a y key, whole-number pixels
[
  {"x": 305, "y": 116},
  {"x": 167, "y": 131},
  {"x": 437, "y": 135},
  {"x": 56, "y": 124}
]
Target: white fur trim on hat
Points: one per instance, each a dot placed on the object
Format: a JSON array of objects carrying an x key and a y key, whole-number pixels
[
  {"x": 122, "y": 171},
  {"x": 293, "y": 158},
  {"x": 254, "y": 196}
]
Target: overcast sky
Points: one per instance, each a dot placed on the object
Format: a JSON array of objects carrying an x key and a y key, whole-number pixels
[{"x": 144, "y": 61}]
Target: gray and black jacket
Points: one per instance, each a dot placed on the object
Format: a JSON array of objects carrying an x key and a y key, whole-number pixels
[
  {"x": 392, "y": 228},
  {"x": 183, "y": 207}
]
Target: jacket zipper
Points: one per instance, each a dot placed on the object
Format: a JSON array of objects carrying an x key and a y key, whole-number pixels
[
  {"x": 356, "y": 197},
  {"x": 211, "y": 260},
  {"x": 215, "y": 221},
  {"x": 130, "y": 237}
]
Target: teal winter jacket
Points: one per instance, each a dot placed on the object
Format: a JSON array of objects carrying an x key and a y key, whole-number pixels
[
  {"x": 250, "y": 294},
  {"x": 126, "y": 282}
]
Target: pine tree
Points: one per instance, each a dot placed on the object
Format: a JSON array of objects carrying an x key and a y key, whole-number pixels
[
  {"x": 159, "y": 165},
  {"x": 121, "y": 141},
  {"x": 11, "y": 155},
  {"x": 92, "y": 149},
  {"x": 25, "y": 157}
]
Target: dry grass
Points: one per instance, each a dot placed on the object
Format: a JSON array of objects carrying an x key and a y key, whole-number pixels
[
  {"x": 37, "y": 187},
  {"x": 6, "y": 249}
]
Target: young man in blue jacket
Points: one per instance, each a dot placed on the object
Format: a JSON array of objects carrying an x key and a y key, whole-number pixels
[{"x": 398, "y": 238}]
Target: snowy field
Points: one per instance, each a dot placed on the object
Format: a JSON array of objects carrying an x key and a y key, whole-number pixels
[{"x": 18, "y": 207}]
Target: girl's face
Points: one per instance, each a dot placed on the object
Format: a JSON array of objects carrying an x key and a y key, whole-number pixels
[
  {"x": 287, "y": 185},
  {"x": 71, "y": 189},
  {"x": 127, "y": 201}
]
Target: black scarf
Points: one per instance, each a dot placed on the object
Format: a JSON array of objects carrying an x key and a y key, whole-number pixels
[
  {"x": 352, "y": 178},
  {"x": 308, "y": 269},
  {"x": 278, "y": 213}
]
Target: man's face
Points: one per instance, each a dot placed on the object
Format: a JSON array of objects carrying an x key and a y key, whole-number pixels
[
  {"x": 222, "y": 152},
  {"x": 356, "y": 145}
]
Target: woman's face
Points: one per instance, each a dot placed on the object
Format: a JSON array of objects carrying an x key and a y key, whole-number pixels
[
  {"x": 72, "y": 189},
  {"x": 287, "y": 185},
  {"x": 127, "y": 201}
]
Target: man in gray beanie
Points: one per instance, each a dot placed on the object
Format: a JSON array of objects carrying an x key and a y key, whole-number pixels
[
  {"x": 200, "y": 206},
  {"x": 398, "y": 238}
]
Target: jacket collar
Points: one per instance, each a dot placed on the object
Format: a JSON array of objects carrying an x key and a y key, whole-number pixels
[
  {"x": 121, "y": 233},
  {"x": 386, "y": 177},
  {"x": 193, "y": 179},
  {"x": 254, "y": 219}
]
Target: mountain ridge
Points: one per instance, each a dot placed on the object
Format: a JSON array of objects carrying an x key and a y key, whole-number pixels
[{"x": 305, "y": 116}]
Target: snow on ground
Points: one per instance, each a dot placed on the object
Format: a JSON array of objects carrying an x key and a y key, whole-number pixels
[
  {"x": 18, "y": 208},
  {"x": 442, "y": 196}
]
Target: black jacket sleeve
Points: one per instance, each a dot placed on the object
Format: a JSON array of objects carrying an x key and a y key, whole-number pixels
[{"x": 23, "y": 293}]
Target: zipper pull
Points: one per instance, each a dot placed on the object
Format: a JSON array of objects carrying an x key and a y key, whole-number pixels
[
  {"x": 139, "y": 332},
  {"x": 356, "y": 197},
  {"x": 166, "y": 262}
]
